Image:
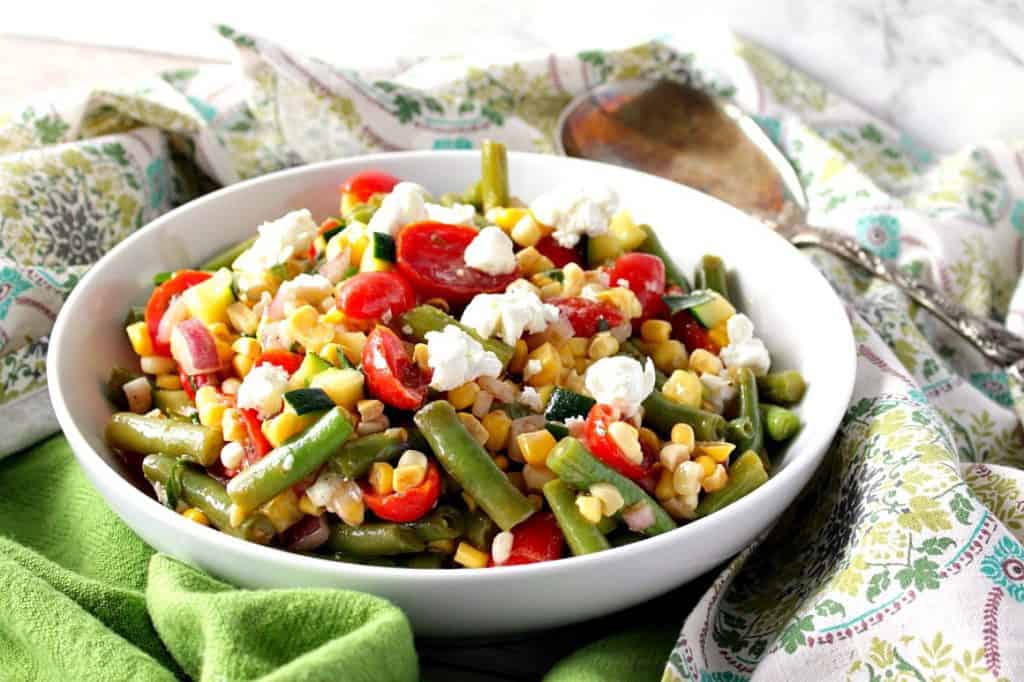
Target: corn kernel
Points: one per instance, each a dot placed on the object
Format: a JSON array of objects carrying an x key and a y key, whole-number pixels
[
  {"x": 382, "y": 478},
  {"x": 664, "y": 489},
  {"x": 370, "y": 409},
  {"x": 247, "y": 347},
  {"x": 716, "y": 480},
  {"x": 168, "y": 382},
  {"x": 609, "y": 496},
  {"x": 413, "y": 458},
  {"x": 501, "y": 461},
  {"x": 718, "y": 451},
  {"x": 157, "y": 364},
  {"x": 703, "y": 362},
  {"x": 706, "y": 463},
  {"x": 138, "y": 336},
  {"x": 479, "y": 432},
  {"x": 463, "y": 396},
  {"x": 683, "y": 434},
  {"x": 548, "y": 367},
  {"x": 284, "y": 426},
  {"x": 231, "y": 455},
  {"x": 550, "y": 290},
  {"x": 497, "y": 424},
  {"x": 333, "y": 316},
  {"x": 283, "y": 510},
  {"x": 649, "y": 440},
  {"x": 535, "y": 446},
  {"x": 624, "y": 299},
  {"x": 627, "y": 438},
  {"x": 308, "y": 507},
  {"x": 501, "y": 547},
  {"x": 578, "y": 345},
  {"x": 526, "y": 232},
  {"x": 673, "y": 454},
  {"x": 206, "y": 395},
  {"x": 469, "y": 556},
  {"x": 603, "y": 345},
  {"x": 232, "y": 426},
  {"x": 230, "y": 386},
  {"x": 719, "y": 334},
  {"x": 506, "y": 218},
  {"x": 349, "y": 505},
  {"x": 656, "y": 331},
  {"x": 220, "y": 332},
  {"x": 669, "y": 356},
  {"x": 242, "y": 318},
  {"x": 687, "y": 478},
  {"x": 195, "y": 514},
  {"x": 590, "y": 508},
  {"x": 565, "y": 355},
  {"x": 536, "y": 476},
  {"x": 352, "y": 344},
  {"x": 683, "y": 387},
  {"x": 572, "y": 279},
  {"x": 519, "y": 353},
  {"x": 681, "y": 509},
  {"x": 573, "y": 381},
  {"x": 446, "y": 546},
  {"x": 241, "y": 364},
  {"x": 531, "y": 261}
]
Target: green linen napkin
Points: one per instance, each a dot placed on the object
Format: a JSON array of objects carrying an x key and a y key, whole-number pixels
[
  {"x": 85, "y": 599},
  {"x": 902, "y": 561}
]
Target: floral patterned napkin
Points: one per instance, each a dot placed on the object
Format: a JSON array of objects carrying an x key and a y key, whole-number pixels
[{"x": 902, "y": 561}]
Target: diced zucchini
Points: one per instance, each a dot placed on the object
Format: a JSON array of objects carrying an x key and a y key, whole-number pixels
[
  {"x": 311, "y": 365},
  {"x": 344, "y": 386},
  {"x": 379, "y": 254},
  {"x": 714, "y": 311},
  {"x": 161, "y": 277},
  {"x": 329, "y": 234},
  {"x": 565, "y": 404},
  {"x": 557, "y": 429},
  {"x": 135, "y": 314},
  {"x": 307, "y": 400},
  {"x": 208, "y": 301},
  {"x": 687, "y": 301},
  {"x": 335, "y": 354}
]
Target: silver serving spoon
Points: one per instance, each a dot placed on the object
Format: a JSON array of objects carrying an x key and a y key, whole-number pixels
[{"x": 677, "y": 131}]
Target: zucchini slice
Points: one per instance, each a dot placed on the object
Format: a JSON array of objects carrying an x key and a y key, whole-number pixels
[
  {"x": 307, "y": 400},
  {"x": 565, "y": 404}
]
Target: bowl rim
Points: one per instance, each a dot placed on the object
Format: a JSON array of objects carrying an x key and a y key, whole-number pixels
[{"x": 139, "y": 503}]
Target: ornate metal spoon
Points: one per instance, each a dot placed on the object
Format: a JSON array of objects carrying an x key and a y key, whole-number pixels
[{"x": 680, "y": 132}]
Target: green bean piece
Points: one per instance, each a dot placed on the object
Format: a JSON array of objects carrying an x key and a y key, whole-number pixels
[
  {"x": 207, "y": 494},
  {"x": 290, "y": 462},
  {"x": 739, "y": 429},
  {"x": 630, "y": 349},
  {"x": 427, "y": 318},
  {"x": 444, "y": 523},
  {"x": 574, "y": 464},
  {"x": 173, "y": 403},
  {"x": 582, "y": 536},
  {"x": 783, "y": 388},
  {"x": 136, "y": 313},
  {"x": 472, "y": 195},
  {"x": 493, "y": 174},
  {"x": 480, "y": 530},
  {"x": 779, "y": 423},
  {"x": 469, "y": 464},
  {"x": 623, "y": 537},
  {"x": 749, "y": 409},
  {"x": 711, "y": 274},
  {"x": 607, "y": 524},
  {"x": 144, "y": 435},
  {"x": 373, "y": 539},
  {"x": 119, "y": 376},
  {"x": 661, "y": 414},
  {"x": 225, "y": 258},
  {"x": 344, "y": 558},
  {"x": 652, "y": 245},
  {"x": 427, "y": 560},
  {"x": 745, "y": 474},
  {"x": 357, "y": 456},
  {"x": 449, "y": 199}
]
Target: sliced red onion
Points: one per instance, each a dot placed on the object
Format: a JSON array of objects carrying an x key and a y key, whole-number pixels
[
  {"x": 139, "y": 395},
  {"x": 504, "y": 392},
  {"x": 194, "y": 348},
  {"x": 639, "y": 517},
  {"x": 334, "y": 270},
  {"x": 275, "y": 311},
  {"x": 306, "y": 535},
  {"x": 175, "y": 313}
]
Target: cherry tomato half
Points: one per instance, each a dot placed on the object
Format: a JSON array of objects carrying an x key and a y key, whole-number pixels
[
  {"x": 256, "y": 445},
  {"x": 376, "y": 296},
  {"x": 190, "y": 383},
  {"x": 559, "y": 255},
  {"x": 160, "y": 300},
  {"x": 407, "y": 505},
  {"x": 390, "y": 373},
  {"x": 286, "y": 360},
  {"x": 536, "y": 539},
  {"x": 601, "y": 445},
  {"x": 646, "y": 276},
  {"x": 432, "y": 258},
  {"x": 585, "y": 315},
  {"x": 365, "y": 184},
  {"x": 692, "y": 333}
]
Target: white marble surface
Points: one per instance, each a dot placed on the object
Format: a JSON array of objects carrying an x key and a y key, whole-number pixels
[{"x": 947, "y": 71}]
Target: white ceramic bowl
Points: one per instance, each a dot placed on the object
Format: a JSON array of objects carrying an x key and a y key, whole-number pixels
[{"x": 795, "y": 311}]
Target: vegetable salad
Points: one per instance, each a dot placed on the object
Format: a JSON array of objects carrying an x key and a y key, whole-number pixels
[{"x": 469, "y": 381}]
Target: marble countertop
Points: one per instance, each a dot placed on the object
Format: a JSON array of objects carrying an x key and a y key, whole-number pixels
[{"x": 948, "y": 73}]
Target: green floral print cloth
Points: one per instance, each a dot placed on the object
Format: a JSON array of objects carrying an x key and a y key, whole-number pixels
[{"x": 902, "y": 562}]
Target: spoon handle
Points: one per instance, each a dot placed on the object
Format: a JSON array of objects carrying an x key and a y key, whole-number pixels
[{"x": 992, "y": 339}]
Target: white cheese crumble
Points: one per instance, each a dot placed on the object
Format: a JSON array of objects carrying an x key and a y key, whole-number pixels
[
  {"x": 718, "y": 390},
  {"x": 508, "y": 315},
  {"x": 491, "y": 252},
  {"x": 405, "y": 204},
  {"x": 621, "y": 382},
  {"x": 531, "y": 399},
  {"x": 574, "y": 210},
  {"x": 745, "y": 349},
  {"x": 456, "y": 214},
  {"x": 263, "y": 390},
  {"x": 456, "y": 358},
  {"x": 278, "y": 241}
]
